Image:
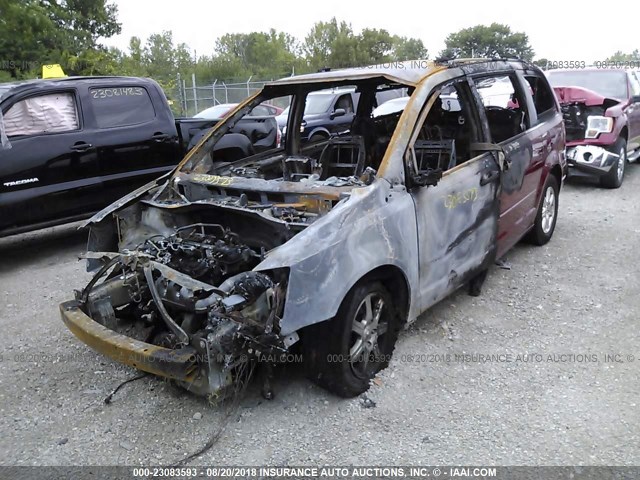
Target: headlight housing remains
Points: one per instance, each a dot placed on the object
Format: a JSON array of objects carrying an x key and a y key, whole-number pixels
[{"x": 597, "y": 124}]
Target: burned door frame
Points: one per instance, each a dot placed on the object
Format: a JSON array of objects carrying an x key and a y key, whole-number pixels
[{"x": 457, "y": 219}]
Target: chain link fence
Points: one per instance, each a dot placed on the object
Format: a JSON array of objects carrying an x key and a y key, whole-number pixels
[{"x": 194, "y": 98}]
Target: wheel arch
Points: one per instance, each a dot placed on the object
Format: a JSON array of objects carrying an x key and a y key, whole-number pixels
[
  {"x": 556, "y": 171},
  {"x": 624, "y": 133},
  {"x": 394, "y": 280},
  {"x": 319, "y": 131}
]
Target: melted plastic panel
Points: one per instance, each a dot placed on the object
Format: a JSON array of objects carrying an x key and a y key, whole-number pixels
[{"x": 43, "y": 114}]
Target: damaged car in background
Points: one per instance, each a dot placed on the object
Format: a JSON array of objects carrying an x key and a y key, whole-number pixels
[
  {"x": 601, "y": 109},
  {"x": 325, "y": 248}
]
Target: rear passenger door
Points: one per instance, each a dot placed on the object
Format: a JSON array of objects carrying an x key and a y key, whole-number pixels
[
  {"x": 507, "y": 113},
  {"x": 51, "y": 170},
  {"x": 136, "y": 140}
]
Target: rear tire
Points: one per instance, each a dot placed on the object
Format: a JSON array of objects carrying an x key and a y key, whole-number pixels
[
  {"x": 547, "y": 215},
  {"x": 344, "y": 353},
  {"x": 614, "y": 178},
  {"x": 476, "y": 283}
]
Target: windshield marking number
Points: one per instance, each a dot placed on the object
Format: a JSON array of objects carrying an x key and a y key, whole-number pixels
[
  {"x": 214, "y": 180},
  {"x": 460, "y": 198}
]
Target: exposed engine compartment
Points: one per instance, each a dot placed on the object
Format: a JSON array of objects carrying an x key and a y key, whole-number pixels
[
  {"x": 206, "y": 252},
  {"x": 193, "y": 287}
]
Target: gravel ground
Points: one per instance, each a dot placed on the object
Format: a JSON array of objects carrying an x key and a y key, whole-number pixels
[{"x": 577, "y": 298}]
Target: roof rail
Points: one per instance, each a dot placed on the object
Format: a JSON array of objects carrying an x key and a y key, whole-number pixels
[{"x": 457, "y": 62}]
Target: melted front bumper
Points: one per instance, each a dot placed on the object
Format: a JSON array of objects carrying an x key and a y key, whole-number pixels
[{"x": 173, "y": 364}]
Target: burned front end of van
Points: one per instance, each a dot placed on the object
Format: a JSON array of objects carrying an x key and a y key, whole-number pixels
[
  {"x": 191, "y": 296},
  {"x": 176, "y": 292},
  {"x": 225, "y": 265}
]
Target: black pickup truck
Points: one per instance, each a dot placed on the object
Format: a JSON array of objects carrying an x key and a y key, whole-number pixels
[{"x": 71, "y": 146}]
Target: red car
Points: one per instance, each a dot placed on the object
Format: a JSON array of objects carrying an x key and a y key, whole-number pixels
[{"x": 601, "y": 109}]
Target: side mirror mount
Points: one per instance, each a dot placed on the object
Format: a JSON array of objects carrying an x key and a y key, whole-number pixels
[
  {"x": 498, "y": 153},
  {"x": 635, "y": 99},
  {"x": 427, "y": 178},
  {"x": 338, "y": 112},
  {"x": 502, "y": 160}
]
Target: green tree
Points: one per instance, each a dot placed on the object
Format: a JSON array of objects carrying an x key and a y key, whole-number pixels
[
  {"x": 330, "y": 44},
  {"x": 625, "y": 57},
  {"x": 374, "y": 46},
  {"x": 259, "y": 53},
  {"x": 334, "y": 44},
  {"x": 83, "y": 21},
  {"x": 158, "y": 55},
  {"x": 37, "y": 39},
  {"x": 50, "y": 31},
  {"x": 409, "y": 49},
  {"x": 493, "y": 41},
  {"x": 133, "y": 63}
]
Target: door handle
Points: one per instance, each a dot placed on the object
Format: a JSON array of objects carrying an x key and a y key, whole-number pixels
[
  {"x": 159, "y": 137},
  {"x": 81, "y": 146},
  {"x": 489, "y": 177}
]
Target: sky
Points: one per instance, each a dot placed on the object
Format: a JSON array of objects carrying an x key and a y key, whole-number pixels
[{"x": 557, "y": 30}]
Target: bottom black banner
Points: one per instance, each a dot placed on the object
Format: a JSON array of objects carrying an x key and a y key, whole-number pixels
[{"x": 321, "y": 472}]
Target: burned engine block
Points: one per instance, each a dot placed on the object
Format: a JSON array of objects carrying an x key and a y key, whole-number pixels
[
  {"x": 194, "y": 287},
  {"x": 206, "y": 252}
]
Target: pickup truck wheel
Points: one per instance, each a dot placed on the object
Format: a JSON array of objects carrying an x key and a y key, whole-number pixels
[
  {"x": 545, "y": 222},
  {"x": 356, "y": 344},
  {"x": 614, "y": 178}
]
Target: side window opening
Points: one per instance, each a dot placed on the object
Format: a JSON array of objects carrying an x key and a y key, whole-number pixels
[
  {"x": 443, "y": 140},
  {"x": 121, "y": 106},
  {"x": 504, "y": 108},
  {"x": 542, "y": 95},
  {"x": 345, "y": 103},
  {"x": 56, "y": 112}
]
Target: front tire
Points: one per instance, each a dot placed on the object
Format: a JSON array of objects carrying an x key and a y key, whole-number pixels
[
  {"x": 545, "y": 223},
  {"x": 614, "y": 178},
  {"x": 344, "y": 354}
]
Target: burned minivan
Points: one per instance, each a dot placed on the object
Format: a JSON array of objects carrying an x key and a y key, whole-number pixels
[{"x": 326, "y": 248}]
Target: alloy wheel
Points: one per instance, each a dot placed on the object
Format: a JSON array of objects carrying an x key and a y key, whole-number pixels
[
  {"x": 370, "y": 323},
  {"x": 548, "y": 210}
]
